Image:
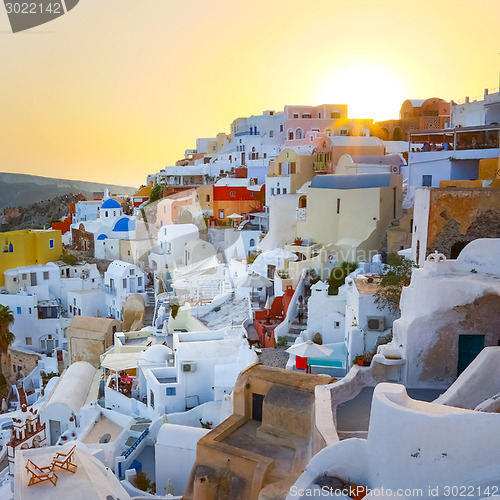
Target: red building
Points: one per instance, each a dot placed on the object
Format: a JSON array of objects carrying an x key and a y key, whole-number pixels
[{"x": 237, "y": 195}]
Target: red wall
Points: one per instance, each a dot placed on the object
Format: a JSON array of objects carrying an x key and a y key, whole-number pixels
[{"x": 223, "y": 193}]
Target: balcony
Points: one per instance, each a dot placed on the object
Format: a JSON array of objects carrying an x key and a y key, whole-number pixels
[{"x": 320, "y": 166}]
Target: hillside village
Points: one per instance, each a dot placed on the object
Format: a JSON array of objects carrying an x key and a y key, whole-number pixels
[{"x": 305, "y": 306}]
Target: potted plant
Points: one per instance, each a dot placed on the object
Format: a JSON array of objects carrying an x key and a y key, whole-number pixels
[
  {"x": 298, "y": 241},
  {"x": 359, "y": 360}
]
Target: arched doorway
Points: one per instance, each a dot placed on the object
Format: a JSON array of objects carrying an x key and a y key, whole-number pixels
[{"x": 456, "y": 248}]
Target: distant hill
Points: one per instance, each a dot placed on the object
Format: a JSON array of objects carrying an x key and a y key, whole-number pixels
[{"x": 24, "y": 190}]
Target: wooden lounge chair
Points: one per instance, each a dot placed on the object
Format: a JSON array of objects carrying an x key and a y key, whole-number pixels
[
  {"x": 63, "y": 461},
  {"x": 40, "y": 474}
]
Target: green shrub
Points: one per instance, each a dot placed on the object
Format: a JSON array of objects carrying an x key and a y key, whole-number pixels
[{"x": 338, "y": 275}]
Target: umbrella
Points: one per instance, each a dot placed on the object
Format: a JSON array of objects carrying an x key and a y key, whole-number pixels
[
  {"x": 254, "y": 280},
  {"x": 309, "y": 349},
  {"x": 235, "y": 216}
]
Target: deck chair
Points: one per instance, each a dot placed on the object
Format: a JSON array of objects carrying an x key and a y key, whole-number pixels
[
  {"x": 40, "y": 474},
  {"x": 63, "y": 461}
]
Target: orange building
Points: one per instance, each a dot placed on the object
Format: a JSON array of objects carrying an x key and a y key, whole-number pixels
[{"x": 415, "y": 114}]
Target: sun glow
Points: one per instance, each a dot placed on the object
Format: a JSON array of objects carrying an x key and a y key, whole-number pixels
[{"x": 370, "y": 90}]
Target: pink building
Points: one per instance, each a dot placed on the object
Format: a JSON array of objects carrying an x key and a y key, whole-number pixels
[{"x": 308, "y": 125}]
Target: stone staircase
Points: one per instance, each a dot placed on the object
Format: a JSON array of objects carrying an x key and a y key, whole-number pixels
[{"x": 295, "y": 328}]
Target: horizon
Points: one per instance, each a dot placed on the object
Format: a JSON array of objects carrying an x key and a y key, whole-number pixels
[{"x": 111, "y": 92}]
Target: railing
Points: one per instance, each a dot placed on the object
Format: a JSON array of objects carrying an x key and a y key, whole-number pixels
[
  {"x": 136, "y": 444},
  {"x": 110, "y": 289},
  {"x": 320, "y": 166}
]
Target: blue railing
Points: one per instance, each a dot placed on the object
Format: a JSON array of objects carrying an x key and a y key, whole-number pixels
[
  {"x": 239, "y": 134},
  {"x": 136, "y": 444}
]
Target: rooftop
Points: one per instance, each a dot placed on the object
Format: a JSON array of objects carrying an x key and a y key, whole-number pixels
[
  {"x": 359, "y": 181},
  {"x": 91, "y": 481}
]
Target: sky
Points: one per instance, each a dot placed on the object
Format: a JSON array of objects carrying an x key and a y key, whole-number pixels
[{"x": 117, "y": 89}]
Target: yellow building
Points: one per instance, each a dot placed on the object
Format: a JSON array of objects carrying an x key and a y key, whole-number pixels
[
  {"x": 292, "y": 168},
  {"x": 351, "y": 212},
  {"x": 27, "y": 247}
]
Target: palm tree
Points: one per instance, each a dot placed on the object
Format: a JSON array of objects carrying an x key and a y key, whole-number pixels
[{"x": 6, "y": 336}]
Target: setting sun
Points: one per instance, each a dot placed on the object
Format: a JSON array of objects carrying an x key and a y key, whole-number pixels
[{"x": 370, "y": 90}]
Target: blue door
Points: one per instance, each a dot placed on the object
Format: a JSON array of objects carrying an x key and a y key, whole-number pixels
[{"x": 469, "y": 346}]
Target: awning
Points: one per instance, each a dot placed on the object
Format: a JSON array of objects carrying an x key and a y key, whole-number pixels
[{"x": 121, "y": 361}]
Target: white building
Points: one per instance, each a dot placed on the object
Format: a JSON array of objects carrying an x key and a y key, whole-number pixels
[
  {"x": 172, "y": 240},
  {"x": 253, "y": 142},
  {"x": 86, "y": 211},
  {"x": 449, "y": 313},
  {"x": 207, "y": 364},
  {"x": 120, "y": 280},
  {"x": 61, "y": 409},
  {"x": 411, "y": 450},
  {"x": 474, "y": 113}
]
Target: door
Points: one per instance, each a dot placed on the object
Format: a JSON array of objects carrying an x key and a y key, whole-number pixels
[
  {"x": 469, "y": 346},
  {"x": 257, "y": 401},
  {"x": 55, "y": 431}
]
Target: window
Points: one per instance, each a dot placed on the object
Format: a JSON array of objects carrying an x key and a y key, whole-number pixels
[
  {"x": 265, "y": 155},
  {"x": 18, "y": 310},
  {"x": 251, "y": 242},
  {"x": 290, "y": 135},
  {"x": 207, "y": 198},
  {"x": 221, "y": 214},
  {"x": 170, "y": 391},
  {"x": 338, "y": 205},
  {"x": 343, "y": 131},
  {"x": 24, "y": 276},
  {"x": 335, "y": 116},
  {"x": 278, "y": 191},
  {"x": 45, "y": 275},
  {"x": 196, "y": 198},
  {"x": 295, "y": 115},
  {"x": 51, "y": 243},
  {"x": 129, "y": 252},
  {"x": 232, "y": 194},
  {"x": 284, "y": 190},
  {"x": 152, "y": 399},
  {"x": 132, "y": 272},
  {"x": 29, "y": 310},
  {"x": 252, "y": 194},
  {"x": 139, "y": 281},
  {"x": 70, "y": 308},
  {"x": 426, "y": 180},
  {"x": 337, "y": 324},
  {"x": 306, "y": 115},
  {"x": 281, "y": 127},
  {"x": 74, "y": 300},
  {"x": 271, "y": 133},
  {"x": 298, "y": 133},
  {"x": 29, "y": 341},
  {"x": 319, "y": 115},
  {"x": 272, "y": 191},
  {"x": 124, "y": 282}
]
